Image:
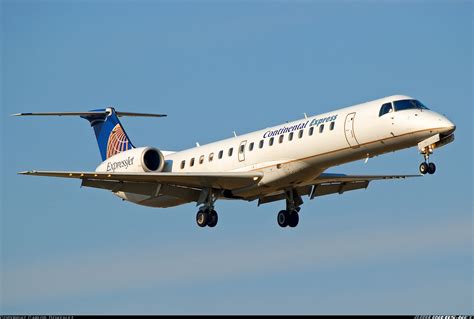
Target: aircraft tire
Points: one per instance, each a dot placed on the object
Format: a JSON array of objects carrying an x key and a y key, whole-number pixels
[
  {"x": 294, "y": 219},
  {"x": 431, "y": 168},
  {"x": 213, "y": 218},
  {"x": 202, "y": 218},
  {"x": 283, "y": 218},
  {"x": 424, "y": 168}
]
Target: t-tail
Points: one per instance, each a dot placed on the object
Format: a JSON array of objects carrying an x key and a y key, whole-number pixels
[
  {"x": 109, "y": 132},
  {"x": 111, "y": 137}
]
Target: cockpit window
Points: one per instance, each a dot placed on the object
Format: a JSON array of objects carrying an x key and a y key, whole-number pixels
[
  {"x": 408, "y": 105},
  {"x": 386, "y": 108}
]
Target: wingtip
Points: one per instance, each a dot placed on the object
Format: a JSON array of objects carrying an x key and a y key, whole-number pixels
[{"x": 26, "y": 172}]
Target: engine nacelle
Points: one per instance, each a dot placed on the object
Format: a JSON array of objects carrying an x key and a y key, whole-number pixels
[{"x": 136, "y": 160}]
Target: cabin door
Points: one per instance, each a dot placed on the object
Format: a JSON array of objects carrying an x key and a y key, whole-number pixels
[
  {"x": 242, "y": 151},
  {"x": 349, "y": 130}
]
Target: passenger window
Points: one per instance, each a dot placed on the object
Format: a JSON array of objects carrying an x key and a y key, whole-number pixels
[
  {"x": 183, "y": 163},
  {"x": 201, "y": 159},
  {"x": 270, "y": 142},
  {"x": 386, "y": 108},
  {"x": 331, "y": 126},
  {"x": 300, "y": 134},
  {"x": 191, "y": 163},
  {"x": 231, "y": 150},
  {"x": 321, "y": 128},
  {"x": 290, "y": 136},
  {"x": 311, "y": 129},
  {"x": 260, "y": 145},
  {"x": 251, "y": 147},
  {"x": 241, "y": 149},
  {"x": 280, "y": 139},
  {"x": 211, "y": 157},
  {"x": 221, "y": 152}
]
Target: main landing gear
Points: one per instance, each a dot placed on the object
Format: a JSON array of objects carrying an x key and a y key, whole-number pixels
[
  {"x": 290, "y": 217},
  {"x": 207, "y": 216},
  {"x": 426, "y": 166}
]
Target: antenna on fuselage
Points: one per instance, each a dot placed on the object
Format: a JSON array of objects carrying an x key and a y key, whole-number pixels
[
  {"x": 235, "y": 135},
  {"x": 305, "y": 116}
]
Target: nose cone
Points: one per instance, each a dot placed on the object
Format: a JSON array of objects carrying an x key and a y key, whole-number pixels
[{"x": 448, "y": 127}]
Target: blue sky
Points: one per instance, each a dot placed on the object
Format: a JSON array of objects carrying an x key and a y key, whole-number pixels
[{"x": 399, "y": 247}]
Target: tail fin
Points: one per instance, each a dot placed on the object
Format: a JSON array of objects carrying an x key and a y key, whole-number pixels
[
  {"x": 109, "y": 132},
  {"x": 111, "y": 136}
]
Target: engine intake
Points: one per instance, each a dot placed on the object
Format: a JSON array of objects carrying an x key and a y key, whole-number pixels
[{"x": 152, "y": 160}]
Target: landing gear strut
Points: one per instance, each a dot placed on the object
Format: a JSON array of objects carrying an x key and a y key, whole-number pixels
[
  {"x": 207, "y": 216},
  {"x": 426, "y": 166},
  {"x": 290, "y": 217}
]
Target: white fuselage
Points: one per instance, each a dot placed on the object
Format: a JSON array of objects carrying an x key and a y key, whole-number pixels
[{"x": 295, "y": 153}]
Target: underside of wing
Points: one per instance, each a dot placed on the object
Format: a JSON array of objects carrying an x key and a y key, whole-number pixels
[
  {"x": 341, "y": 178},
  {"x": 130, "y": 181},
  {"x": 188, "y": 186},
  {"x": 328, "y": 183}
]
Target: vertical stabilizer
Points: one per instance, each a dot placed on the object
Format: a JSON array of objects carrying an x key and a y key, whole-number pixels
[{"x": 111, "y": 136}]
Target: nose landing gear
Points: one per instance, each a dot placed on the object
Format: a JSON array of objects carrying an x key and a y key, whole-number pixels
[
  {"x": 429, "y": 168},
  {"x": 426, "y": 166}
]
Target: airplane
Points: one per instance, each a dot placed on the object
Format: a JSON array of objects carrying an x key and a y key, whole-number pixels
[{"x": 284, "y": 162}]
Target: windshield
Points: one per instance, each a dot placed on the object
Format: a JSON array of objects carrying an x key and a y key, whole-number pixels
[{"x": 408, "y": 104}]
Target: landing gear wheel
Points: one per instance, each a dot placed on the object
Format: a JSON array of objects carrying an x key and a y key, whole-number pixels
[
  {"x": 424, "y": 168},
  {"x": 202, "y": 218},
  {"x": 294, "y": 219},
  {"x": 212, "y": 221},
  {"x": 283, "y": 218},
  {"x": 431, "y": 168}
]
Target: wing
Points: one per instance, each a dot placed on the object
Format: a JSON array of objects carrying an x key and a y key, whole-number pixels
[
  {"x": 224, "y": 180},
  {"x": 327, "y": 183},
  {"x": 338, "y": 178}
]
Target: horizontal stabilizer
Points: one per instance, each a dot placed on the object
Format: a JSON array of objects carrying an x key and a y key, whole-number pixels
[
  {"x": 109, "y": 132},
  {"x": 90, "y": 113}
]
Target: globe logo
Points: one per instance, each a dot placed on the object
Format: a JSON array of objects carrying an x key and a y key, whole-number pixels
[{"x": 118, "y": 141}]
